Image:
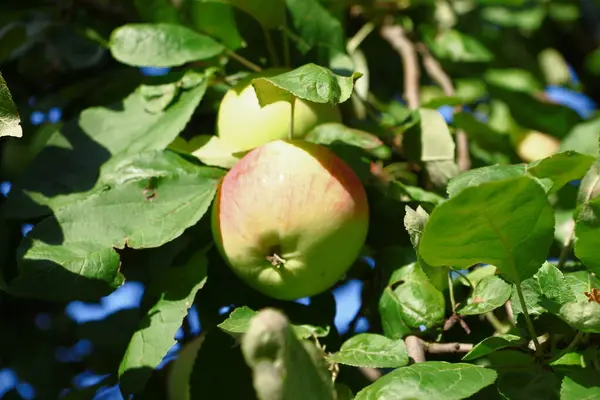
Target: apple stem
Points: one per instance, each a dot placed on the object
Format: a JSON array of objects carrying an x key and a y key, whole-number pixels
[{"x": 276, "y": 260}]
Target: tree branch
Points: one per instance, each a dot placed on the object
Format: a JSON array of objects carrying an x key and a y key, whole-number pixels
[
  {"x": 437, "y": 73},
  {"x": 415, "y": 348},
  {"x": 396, "y": 37},
  {"x": 439, "y": 348}
]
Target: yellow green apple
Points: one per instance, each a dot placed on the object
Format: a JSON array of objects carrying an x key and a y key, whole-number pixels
[
  {"x": 290, "y": 218},
  {"x": 244, "y": 124},
  {"x": 536, "y": 145}
]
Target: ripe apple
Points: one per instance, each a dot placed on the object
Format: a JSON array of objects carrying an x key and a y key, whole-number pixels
[
  {"x": 290, "y": 218},
  {"x": 244, "y": 124},
  {"x": 178, "y": 386}
]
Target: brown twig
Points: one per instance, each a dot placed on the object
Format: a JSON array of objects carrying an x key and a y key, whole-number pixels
[
  {"x": 415, "y": 348},
  {"x": 397, "y": 38},
  {"x": 509, "y": 312},
  {"x": 439, "y": 348},
  {"x": 437, "y": 73}
]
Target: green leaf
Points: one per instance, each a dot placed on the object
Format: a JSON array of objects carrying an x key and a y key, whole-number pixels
[
  {"x": 156, "y": 334},
  {"x": 309, "y": 82},
  {"x": 430, "y": 139},
  {"x": 527, "y": 384},
  {"x": 331, "y": 133},
  {"x": 269, "y": 17},
  {"x": 478, "y": 274},
  {"x": 579, "y": 384},
  {"x": 489, "y": 294},
  {"x": 372, "y": 351},
  {"x": 491, "y": 344},
  {"x": 70, "y": 254},
  {"x": 409, "y": 301},
  {"x": 430, "y": 380},
  {"x": 218, "y": 20},
  {"x": 321, "y": 29},
  {"x": 72, "y": 165},
  {"x": 583, "y": 137},
  {"x": 414, "y": 222},
  {"x": 406, "y": 193},
  {"x": 507, "y": 223},
  {"x": 587, "y": 231},
  {"x": 157, "y": 11},
  {"x": 238, "y": 323},
  {"x": 578, "y": 282},
  {"x": 584, "y": 316},
  {"x": 554, "y": 287},
  {"x": 477, "y": 176},
  {"x": 547, "y": 290},
  {"x": 283, "y": 366},
  {"x": 561, "y": 168},
  {"x": 532, "y": 293},
  {"x": 160, "y": 45},
  {"x": 456, "y": 46},
  {"x": 10, "y": 122}
]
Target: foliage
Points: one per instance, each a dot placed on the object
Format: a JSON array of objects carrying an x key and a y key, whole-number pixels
[{"x": 464, "y": 121}]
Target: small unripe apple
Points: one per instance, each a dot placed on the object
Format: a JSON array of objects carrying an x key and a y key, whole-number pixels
[
  {"x": 244, "y": 124},
  {"x": 537, "y": 145},
  {"x": 290, "y": 218}
]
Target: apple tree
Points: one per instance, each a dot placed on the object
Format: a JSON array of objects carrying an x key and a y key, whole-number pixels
[{"x": 299, "y": 199}]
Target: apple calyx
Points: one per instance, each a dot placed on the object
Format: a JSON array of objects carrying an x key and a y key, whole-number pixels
[{"x": 274, "y": 258}]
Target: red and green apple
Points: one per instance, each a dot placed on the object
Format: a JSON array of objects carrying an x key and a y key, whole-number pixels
[{"x": 290, "y": 218}]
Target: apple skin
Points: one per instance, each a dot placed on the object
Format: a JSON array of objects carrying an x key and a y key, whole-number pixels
[
  {"x": 244, "y": 124},
  {"x": 537, "y": 145},
  {"x": 291, "y": 200}
]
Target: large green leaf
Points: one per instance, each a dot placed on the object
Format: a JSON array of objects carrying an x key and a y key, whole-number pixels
[
  {"x": 283, "y": 366},
  {"x": 10, "y": 122},
  {"x": 72, "y": 165},
  {"x": 489, "y": 294},
  {"x": 561, "y": 168},
  {"x": 156, "y": 335},
  {"x": 507, "y": 223},
  {"x": 309, "y": 82},
  {"x": 552, "y": 173},
  {"x": 430, "y": 380},
  {"x": 72, "y": 253},
  {"x": 584, "y": 316},
  {"x": 161, "y": 45},
  {"x": 477, "y": 176},
  {"x": 409, "y": 301},
  {"x": 372, "y": 351}
]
